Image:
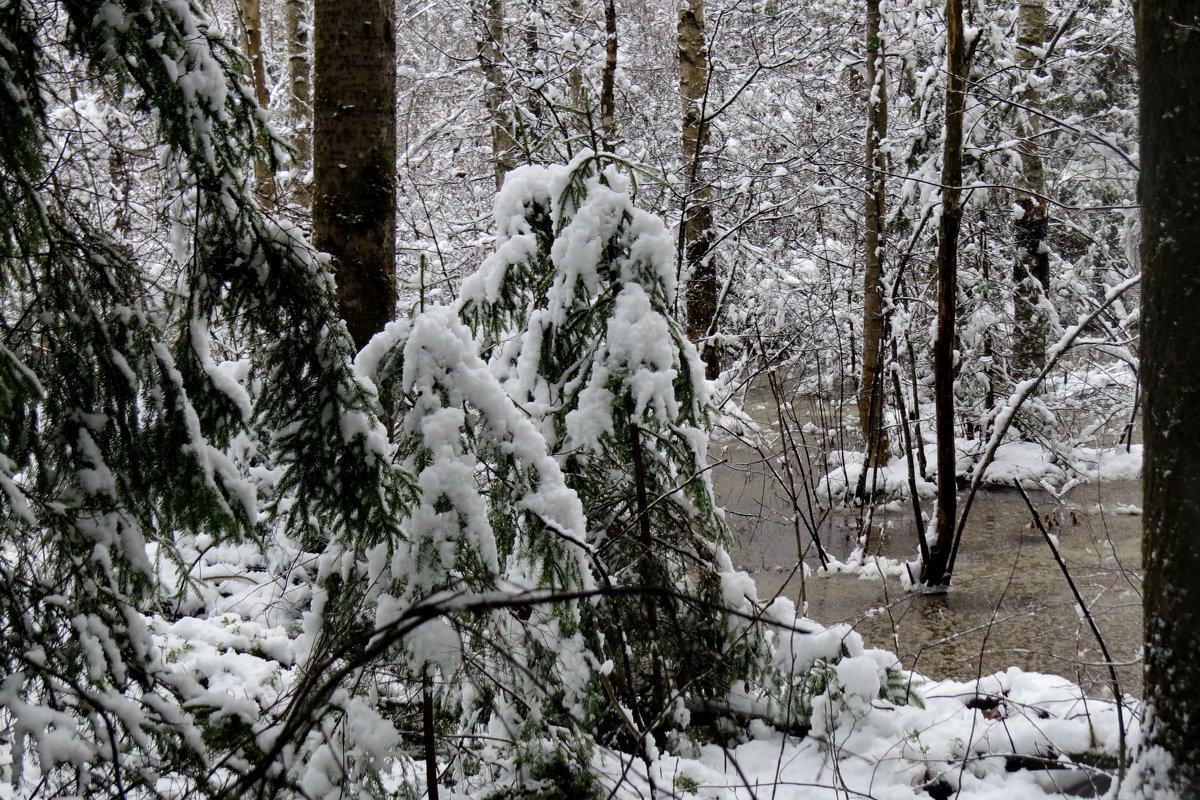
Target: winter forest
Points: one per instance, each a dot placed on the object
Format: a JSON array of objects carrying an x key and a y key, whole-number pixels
[{"x": 598, "y": 400}]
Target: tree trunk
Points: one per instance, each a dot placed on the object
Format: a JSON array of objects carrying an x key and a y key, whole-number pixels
[
  {"x": 534, "y": 19},
  {"x": 697, "y": 220},
  {"x": 575, "y": 86},
  {"x": 947, "y": 262},
  {"x": 1168, "y": 41},
  {"x": 608, "y": 101},
  {"x": 253, "y": 43},
  {"x": 299, "y": 94},
  {"x": 648, "y": 567},
  {"x": 354, "y": 151},
  {"x": 489, "y": 15},
  {"x": 872, "y": 389},
  {"x": 1031, "y": 271}
]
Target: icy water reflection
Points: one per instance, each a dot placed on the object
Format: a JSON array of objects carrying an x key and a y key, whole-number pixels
[{"x": 1009, "y": 604}]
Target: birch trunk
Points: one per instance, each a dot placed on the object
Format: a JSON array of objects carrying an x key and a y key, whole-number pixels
[
  {"x": 697, "y": 219},
  {"x": 299, "y": 81},
  {"x": 1031, "y": 271},
  {"x": 871, "y": 390}
]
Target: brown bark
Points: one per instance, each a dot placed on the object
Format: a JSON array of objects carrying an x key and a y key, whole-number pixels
[
  {"x": 935, "y": 572},
  {"x": 1031, "y": 270},
  {"x": 697, "y": 222},
  {"x": 872, "y": 389},
  {"x": 489, "y": 16},
  {"x": 354, "y": 152},
  {"x": 1169, "y": 116}
]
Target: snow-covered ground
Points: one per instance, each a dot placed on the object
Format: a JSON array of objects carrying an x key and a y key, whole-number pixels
[{"x": 1012, "y": 734}]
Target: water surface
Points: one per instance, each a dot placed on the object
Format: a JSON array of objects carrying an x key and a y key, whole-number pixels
[{"x": 1009, "y": 603}]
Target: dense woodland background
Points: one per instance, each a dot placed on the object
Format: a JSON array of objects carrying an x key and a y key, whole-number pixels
[
  {"x": 798, "y": 155},
  {"x": 356, "y": 422}
]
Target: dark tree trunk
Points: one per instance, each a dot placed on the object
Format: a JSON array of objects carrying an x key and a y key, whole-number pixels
[
  {"x": 872, "y": 389},
  {"x": 354, "y": 157},
  {"x": 1169, "y": 68},
  {"x": 936, "y": 573}
]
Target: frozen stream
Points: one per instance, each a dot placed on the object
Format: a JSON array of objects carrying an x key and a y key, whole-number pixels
[{"x": 1009, "y": 603}]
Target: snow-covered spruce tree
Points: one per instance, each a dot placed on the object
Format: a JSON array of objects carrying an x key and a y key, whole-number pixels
[
  {"x": 113, "y": 414},
  {"x": 491, "y": 517},
  {"x": 575, "y": 308},
  {"x": 474, "y": 602}
]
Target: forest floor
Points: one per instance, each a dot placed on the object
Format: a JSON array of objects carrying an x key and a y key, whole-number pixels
[
  {"x": 1010, "y": 734},
  {"x": 976, "y": 726}
]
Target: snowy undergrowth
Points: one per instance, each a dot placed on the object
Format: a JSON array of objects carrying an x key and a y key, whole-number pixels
[
  {"x": 984, "y": 739},
  {"x": 1013, "y": 731},
  {"x": 973, "y": 740}
]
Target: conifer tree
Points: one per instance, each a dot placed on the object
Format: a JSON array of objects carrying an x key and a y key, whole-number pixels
[
  {"x": 491, "y": 515},
  {"x": 575, "y": 307},
  {"x": 113, "y": 412},
  {"x": 477, "y": 598}
]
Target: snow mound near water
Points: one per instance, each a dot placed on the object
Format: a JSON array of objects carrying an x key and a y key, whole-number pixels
[{"x": 1029, "y": 462}]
